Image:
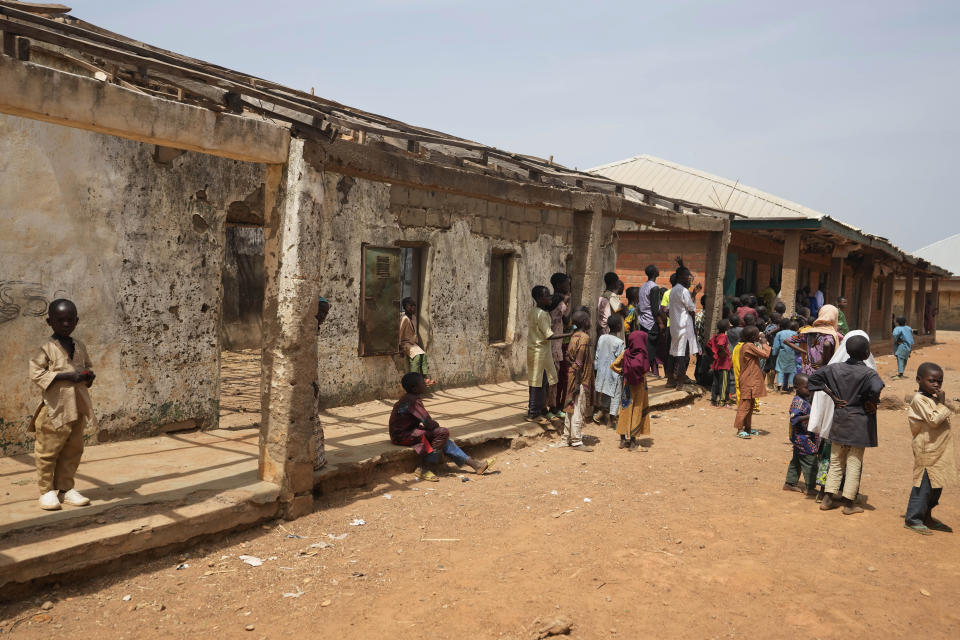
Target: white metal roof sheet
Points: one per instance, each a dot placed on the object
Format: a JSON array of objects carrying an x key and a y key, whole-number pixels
[
  {"x": 685, "y": 183},
  {"x": 944, "y": 253}
]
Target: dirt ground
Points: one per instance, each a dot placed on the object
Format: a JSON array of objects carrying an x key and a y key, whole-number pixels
[{"x": 693, "y": 539}]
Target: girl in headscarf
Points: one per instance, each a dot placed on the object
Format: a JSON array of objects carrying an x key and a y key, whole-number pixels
[
  {"x": 816, "y": 343},
  {"x": 821, "y": 412},
  {"x": 633, "y": 365}
]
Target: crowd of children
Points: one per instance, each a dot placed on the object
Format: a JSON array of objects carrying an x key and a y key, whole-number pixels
[{"x": 832, "y": 374}]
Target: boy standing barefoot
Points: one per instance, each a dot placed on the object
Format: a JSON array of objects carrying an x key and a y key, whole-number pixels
[
  {"x": 62, "y": 370},
  {"x": 933, "y": 457}
]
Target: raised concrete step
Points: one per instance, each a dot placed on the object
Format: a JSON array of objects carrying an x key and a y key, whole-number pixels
[
  {"x": 359, "y": 446},
  {"x": 154, "y": 493},
  {"x": 146, "y": 494}
]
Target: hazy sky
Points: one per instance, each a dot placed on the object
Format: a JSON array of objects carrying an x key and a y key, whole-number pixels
[{"x": 851, "y": 108}]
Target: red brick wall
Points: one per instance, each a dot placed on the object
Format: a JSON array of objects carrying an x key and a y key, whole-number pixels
[{"x": 637, "y": 249}]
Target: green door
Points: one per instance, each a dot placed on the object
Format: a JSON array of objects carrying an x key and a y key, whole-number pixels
[
  {"x": 730, "y": 276},
  {"x": 380, "y": 301}
]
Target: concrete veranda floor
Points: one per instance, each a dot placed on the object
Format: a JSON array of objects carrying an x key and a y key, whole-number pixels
[{"x": 164, "y": 490}]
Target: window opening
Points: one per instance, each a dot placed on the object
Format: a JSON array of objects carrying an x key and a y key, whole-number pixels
[
  {"x": 749, "y": 275},
  {"x": 499, "y": 303},
  {"x": 410, "y": 272},
  {"x": 381, "y": 292}
]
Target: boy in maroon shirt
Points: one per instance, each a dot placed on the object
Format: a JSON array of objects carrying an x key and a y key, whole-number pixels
[{"x": 412, "y": 426}]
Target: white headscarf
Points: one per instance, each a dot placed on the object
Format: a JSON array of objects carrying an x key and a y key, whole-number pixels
[{"x": 821, "y": 410}]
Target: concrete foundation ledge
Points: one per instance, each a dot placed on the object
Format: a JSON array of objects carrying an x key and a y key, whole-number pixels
[
  {"x": 160, "y": 494},
  {"x": 118, "y": 533},
  {"x": 474, "y": 421}
]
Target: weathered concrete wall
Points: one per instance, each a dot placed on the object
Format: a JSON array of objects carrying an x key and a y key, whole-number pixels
[
  {"x": 460, "y": 233},
  {"x": 139, "y": 247}
]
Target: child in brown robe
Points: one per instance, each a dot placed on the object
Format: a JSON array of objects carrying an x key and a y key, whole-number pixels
[
  {"x": 753, "y": 350},
  {"x": 579, "y": 383}
]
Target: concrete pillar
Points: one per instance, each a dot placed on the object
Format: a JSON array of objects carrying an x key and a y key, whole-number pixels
[
  {"x": 867, "y": 299},
  {"x": 716, "y": 264},
  {"x": 887, "y": 322},
  {"x": 791, "y": 266},
  {"x": 908, "y": 295},
  {"x": 587, "y": 280},
  {"x": 836, "y": 280},
  {"x": 921, "y": 298},
  {"x": 935, "y": 294},
  {"x": 288, "y": 387}
]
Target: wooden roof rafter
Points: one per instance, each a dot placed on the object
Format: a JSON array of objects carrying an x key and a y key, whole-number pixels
[{"x": 173, "y": 76}]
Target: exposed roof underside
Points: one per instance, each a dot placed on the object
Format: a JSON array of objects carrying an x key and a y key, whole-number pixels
[
  {"x": 47, "y": 33},
  {"x": 755, "y": 209}
]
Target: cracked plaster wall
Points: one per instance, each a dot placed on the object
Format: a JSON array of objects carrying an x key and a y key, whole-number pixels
[
  {"x": 139, "y": 247},
  {"x": 460, "y": 234}
]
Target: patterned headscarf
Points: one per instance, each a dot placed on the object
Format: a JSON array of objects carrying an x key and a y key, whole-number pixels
[{"x": 827, "y": 323}]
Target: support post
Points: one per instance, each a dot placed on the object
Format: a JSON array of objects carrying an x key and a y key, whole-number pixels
[
  {"x": 717, "y": 242},
  {"x": 288, "y": 388},
  {"x": 921, "y": 300},
  {"x": 834, "y": 286},
  {"x": 908, "y": 296},
  {"x": 935, "y": 294},
  {"x": 588, "y": 259},
  {"x": 791, "y": 267},
  {"x": 887, "y": 326},
  {"x": 866, "y": 295}
]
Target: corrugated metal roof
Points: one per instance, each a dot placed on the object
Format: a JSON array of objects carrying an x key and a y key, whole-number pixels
[
  {"x": 685, "y": 183},
  {"x": 673, "y": 180},
  {"x": 944, "y": 253}
]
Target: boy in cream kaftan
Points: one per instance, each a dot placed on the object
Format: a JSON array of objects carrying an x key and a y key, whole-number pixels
[
  {"x": 62, "y": 371},
  {"x": 934, "y": 466}
]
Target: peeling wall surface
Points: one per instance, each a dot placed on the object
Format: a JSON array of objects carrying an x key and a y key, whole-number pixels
[
  {"x": 138, "y": 245},
  {"x": 459, "y": 235}
]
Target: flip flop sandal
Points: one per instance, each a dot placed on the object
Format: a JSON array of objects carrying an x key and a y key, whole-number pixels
[
  {"x": 486, "y": 466},
  {"x": 922, "y": 529},
  {"x": 743, "y": 435},
  {"x": 427, "y": 475},
  {"x": 754, "y": 432}
]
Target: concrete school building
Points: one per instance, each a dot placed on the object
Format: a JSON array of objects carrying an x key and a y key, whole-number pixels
[
  {"x": 137, "y": 180},
  {"x": 771, "y": 240},
  {"x": 912, "y": 295}
]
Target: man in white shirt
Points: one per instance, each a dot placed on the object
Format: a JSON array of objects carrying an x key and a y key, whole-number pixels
[{"x": 683, "y": 337}]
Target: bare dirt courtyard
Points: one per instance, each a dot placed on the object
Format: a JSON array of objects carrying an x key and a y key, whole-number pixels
[{"x": 693, "y": 539}]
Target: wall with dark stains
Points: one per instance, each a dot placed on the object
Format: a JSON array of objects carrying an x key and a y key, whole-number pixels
[
  {"x": 136, "y": 239},
  {"x": 458, "y": 235}
]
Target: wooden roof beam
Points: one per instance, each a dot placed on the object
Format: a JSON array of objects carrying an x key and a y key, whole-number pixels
[{"x": 42, "y": 93}]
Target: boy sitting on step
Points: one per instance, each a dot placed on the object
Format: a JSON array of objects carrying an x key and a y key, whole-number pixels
[{"x": 412, "y": 426}]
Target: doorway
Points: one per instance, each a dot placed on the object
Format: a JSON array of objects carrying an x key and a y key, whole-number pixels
[{"x": 241, "y": 329}]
